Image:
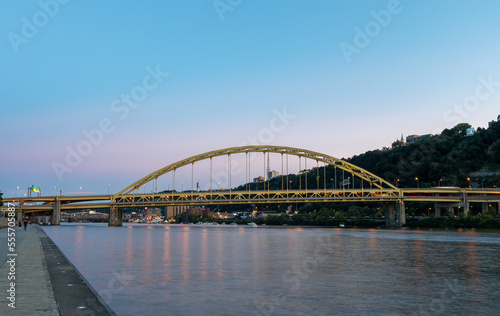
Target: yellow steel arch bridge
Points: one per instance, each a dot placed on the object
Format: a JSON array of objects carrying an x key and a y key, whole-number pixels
[{"x": 369, "y": 188}]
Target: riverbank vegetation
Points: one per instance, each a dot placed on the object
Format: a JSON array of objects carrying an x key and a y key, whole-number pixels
[{"x": 487, "y": 221}]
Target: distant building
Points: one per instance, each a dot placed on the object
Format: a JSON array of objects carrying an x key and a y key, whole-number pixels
[
  {"x": 412, "y": 139},
  {"x": 493, "y": 122},
  {"x": 149, "y": 212},
  {"x": 399, "y": 143},
  {"x": 197, "y": 210},
  {"x": 172, "y": 211},
  {"x": 470, "y": 131},
  {"x": 259, "y": 179},
  {"x": 272, "y": 174}
]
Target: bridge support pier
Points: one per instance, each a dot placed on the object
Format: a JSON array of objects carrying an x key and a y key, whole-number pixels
[
  {"x": 437, "y": 210},
  {"x": 115, "y": 216},
  {"x": 20, "y": 215},
  {"x": 484, "y": 208},
  {"x": 466, "y": 210},
  {"x": 451, "y": 207},
  {"x": 395, "y": 214},
  {"x": 56, "y": 213}
]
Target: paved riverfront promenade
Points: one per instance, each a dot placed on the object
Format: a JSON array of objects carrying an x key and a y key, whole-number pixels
[{"x": 46, "y": 283}]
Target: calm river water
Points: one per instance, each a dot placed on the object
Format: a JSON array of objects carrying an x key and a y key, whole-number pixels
[{"x": 226, "y": 270}]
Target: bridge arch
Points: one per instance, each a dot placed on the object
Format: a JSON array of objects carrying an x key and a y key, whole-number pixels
[{"x": 319, "y": 157}]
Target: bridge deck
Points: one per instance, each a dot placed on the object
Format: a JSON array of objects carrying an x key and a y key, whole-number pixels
[{"x": 74, "y": 202}]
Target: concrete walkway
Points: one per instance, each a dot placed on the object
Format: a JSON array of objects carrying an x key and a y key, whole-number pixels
[
  {"x": 3, "y": 240},
  {"x": 33, "y": 289},
  {"x": 46, "y": 283}
]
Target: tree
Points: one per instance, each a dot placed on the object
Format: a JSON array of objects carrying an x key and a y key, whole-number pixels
[{"x": 494, "y": 152}]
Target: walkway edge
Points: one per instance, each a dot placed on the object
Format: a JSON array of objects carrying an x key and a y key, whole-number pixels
[{"x": 73, "y": 293}]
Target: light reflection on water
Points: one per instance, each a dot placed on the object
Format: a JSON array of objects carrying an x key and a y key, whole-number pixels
[{"x": 217, "y": 270}]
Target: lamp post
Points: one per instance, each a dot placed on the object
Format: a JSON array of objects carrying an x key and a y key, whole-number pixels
[
  {"x": 81, "y": 188},
  {"x": 416, "y": 179},
  {"x": 17, "y": 188},
  {"x": 397, "y": 183},
  {"x": 108, "y": 187},
  {"x": 55, "y": 189},
  {"x": 440, "y": 182},
  {"x": 333, "y": 188},
  {"x": 468, "y": 179}
]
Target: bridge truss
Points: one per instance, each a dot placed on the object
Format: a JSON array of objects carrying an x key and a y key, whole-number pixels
[{"x": 362, "y": 174}]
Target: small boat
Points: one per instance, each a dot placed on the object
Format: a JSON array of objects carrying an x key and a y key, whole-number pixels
[
  {"x": 252, "y": 224},
  {"x": 342, "y": 225}
]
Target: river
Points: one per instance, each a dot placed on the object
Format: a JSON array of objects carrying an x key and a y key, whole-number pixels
[{"x": 227, "y": 270}]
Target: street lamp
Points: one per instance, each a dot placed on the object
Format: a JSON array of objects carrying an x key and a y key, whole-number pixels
[
  {"x": 468, "y": 179},
  {"x": 108, "y": 187},
  {"x": 440, "y": 182},
  {"x": 81, "y": 188},
  {"x": 17, "y": 188},
  {"x": 55, "y": 189},
  {"x": 416, "y": 179},
  {"x": 333, "y": 188},
  {"x": 397, "y": 183}
]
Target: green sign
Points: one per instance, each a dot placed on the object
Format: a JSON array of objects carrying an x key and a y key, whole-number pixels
[{"x": 35, "y": 189}]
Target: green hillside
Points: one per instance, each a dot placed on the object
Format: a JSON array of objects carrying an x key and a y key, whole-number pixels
[{"x": 451, "y": 157}]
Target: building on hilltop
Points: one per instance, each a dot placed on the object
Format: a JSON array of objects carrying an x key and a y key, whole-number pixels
[
  {"x": 470, "y": 131},
  {"x": 413, "y": 139},
  {"x": 259, "y": 179},
  {"x": 424, "y": 137},
  {"x": 493, "y": 122},
  {"x": 399, "y": 143},
  {"x": 272, "y": 174}
]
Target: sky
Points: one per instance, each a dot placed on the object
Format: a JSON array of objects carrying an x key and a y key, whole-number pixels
[{"x": 97, "y": 94}]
